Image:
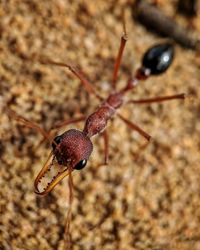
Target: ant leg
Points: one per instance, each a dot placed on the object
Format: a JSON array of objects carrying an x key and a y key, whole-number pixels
[
  {"x": 158, "y": 99},
  {"x": 135, "y": 127},
  {"x": 124, "y": 38},
  {"x": 118, "y": 60},
  {"x": 67, "y": 122},
  {"x": 28, "y": 123},
  {"x": 67, "y": 235},
  {"x": 86, "y": 84},
  {"x": 46, "y": 134},
  {"x": 105, "y": 138},
  {"x": 62, "y": 124},
  {"x": 141, "y": 132}
]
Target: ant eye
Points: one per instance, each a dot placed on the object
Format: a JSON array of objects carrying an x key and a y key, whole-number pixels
[
  {"x": 80, "y": 165},
  {"x": 158, "y": 58},
  {"x": 57, "y": 140}
]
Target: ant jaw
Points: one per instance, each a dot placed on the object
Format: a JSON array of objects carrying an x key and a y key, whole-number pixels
[
  {"x": 54, "y": 182},
  {"x": 56, "y": 177}
]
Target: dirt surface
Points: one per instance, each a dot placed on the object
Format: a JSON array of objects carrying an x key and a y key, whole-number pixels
[{"x": 144, "y": 199}]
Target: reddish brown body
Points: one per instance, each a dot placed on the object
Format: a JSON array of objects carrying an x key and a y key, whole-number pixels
[
  {"x": 72, "y": 149},
  {"x": 97, "y": 121}
]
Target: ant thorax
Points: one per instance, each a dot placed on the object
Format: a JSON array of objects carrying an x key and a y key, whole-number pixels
[{"x": 97, "y": 121}]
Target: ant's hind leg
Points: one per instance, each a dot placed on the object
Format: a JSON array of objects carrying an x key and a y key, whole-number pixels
[{"x": 158, "y": 99}]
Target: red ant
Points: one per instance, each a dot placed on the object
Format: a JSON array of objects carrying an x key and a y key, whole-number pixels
[{"x": 72, "y": 149}]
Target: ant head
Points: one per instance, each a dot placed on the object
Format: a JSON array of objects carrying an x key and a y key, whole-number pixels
[
  {"x": 71, "y": 150},
  {"x": 72, "y": 147}
]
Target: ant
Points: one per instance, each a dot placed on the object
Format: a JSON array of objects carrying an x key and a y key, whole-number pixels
[{"x": 72, "y": 149}]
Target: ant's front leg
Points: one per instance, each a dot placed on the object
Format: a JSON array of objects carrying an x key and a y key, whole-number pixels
[
  {"x": 61, "y": 124},
  {"x": 68, "y": 122},
  {"x": 27, "y": 123},
  {"x": 47, "y": 135}
]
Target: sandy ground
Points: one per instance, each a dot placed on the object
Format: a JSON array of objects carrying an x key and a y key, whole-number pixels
[{"x": 143, "y": 199}]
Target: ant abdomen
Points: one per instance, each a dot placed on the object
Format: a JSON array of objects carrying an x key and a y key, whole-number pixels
[{"x": 158, "y": 58}]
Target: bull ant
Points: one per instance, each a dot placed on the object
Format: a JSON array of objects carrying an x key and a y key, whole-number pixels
[{"x": 72, "y": 149}]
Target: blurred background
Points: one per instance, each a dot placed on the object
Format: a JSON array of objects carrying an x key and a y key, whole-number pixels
[{"x": 143, "y": 199}]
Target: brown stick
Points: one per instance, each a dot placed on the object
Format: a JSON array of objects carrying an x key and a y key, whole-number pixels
[{"x": 153, "y": 18}]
